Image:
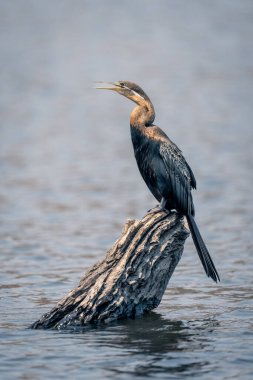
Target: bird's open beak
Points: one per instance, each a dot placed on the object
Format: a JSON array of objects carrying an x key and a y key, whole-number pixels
[{"x": 104, "y": 86}]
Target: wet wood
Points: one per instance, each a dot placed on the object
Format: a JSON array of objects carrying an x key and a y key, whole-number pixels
[{"x": 130, "y": 280}]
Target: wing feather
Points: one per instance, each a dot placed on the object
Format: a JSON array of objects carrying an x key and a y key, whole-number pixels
[{"x": 180, "y": 176}]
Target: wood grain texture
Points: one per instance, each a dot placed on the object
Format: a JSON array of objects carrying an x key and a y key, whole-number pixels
[{"x": 130, "y": 280}]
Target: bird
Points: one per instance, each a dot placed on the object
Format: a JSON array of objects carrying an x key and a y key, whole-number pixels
[{"x": 162, "y": 165}]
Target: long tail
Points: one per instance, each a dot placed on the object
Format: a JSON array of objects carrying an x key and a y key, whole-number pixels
[{"x": 203, "y": 253}]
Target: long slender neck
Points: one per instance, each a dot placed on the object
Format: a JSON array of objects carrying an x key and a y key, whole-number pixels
[{"x": 143, "y": 115}]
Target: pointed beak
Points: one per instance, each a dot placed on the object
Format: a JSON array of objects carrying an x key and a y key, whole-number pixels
[{"x": 115, "y": 86}]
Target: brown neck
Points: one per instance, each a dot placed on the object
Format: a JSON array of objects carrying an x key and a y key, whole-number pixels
[{"x": 143, "y": 115}]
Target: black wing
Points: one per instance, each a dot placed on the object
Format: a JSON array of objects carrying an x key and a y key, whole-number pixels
[{"x": 180, "y": 176}]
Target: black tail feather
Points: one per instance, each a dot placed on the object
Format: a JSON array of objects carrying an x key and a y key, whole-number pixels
[{"x": 203, "y": 253}]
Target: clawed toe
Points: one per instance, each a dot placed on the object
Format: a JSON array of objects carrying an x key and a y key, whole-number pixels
[{"x": 156, "y": 209}]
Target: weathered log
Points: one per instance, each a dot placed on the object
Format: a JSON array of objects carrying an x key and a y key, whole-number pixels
[{"x": 130, "y": 280}]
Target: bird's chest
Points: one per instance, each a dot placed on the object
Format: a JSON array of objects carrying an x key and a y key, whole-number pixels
[{"x": 145, "y": 152}]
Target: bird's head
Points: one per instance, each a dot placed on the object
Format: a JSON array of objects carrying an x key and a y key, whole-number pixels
[{"x": 128, "y": 89}]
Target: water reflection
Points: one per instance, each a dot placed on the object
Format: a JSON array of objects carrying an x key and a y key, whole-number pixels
[
  {"x": 154, "y": 334},
  {"x": 152, "y": 346}
]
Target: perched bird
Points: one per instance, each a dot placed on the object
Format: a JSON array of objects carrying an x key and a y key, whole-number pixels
[{"x": 162, "y": 165}]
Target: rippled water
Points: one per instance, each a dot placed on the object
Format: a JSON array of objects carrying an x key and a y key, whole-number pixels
[{"x": 69, "y": 180}]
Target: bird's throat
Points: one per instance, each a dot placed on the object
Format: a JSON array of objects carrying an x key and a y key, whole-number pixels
[{"x": 142, "y": 116}]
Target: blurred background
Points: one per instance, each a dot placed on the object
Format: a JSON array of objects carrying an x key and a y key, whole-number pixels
[{"x": 69, "y": 178}]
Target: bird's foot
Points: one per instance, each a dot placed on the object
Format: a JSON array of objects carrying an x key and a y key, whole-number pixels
[{"x": 156, "y": 209}]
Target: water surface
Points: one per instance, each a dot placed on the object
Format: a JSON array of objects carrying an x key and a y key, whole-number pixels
[{"x": 69, "y": 180}]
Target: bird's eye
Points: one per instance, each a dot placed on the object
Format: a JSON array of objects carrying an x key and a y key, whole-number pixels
[{"x": 121, "y": 84}]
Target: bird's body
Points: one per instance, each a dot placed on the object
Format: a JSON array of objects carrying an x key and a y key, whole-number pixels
[{"x": 162, "y": 166}]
